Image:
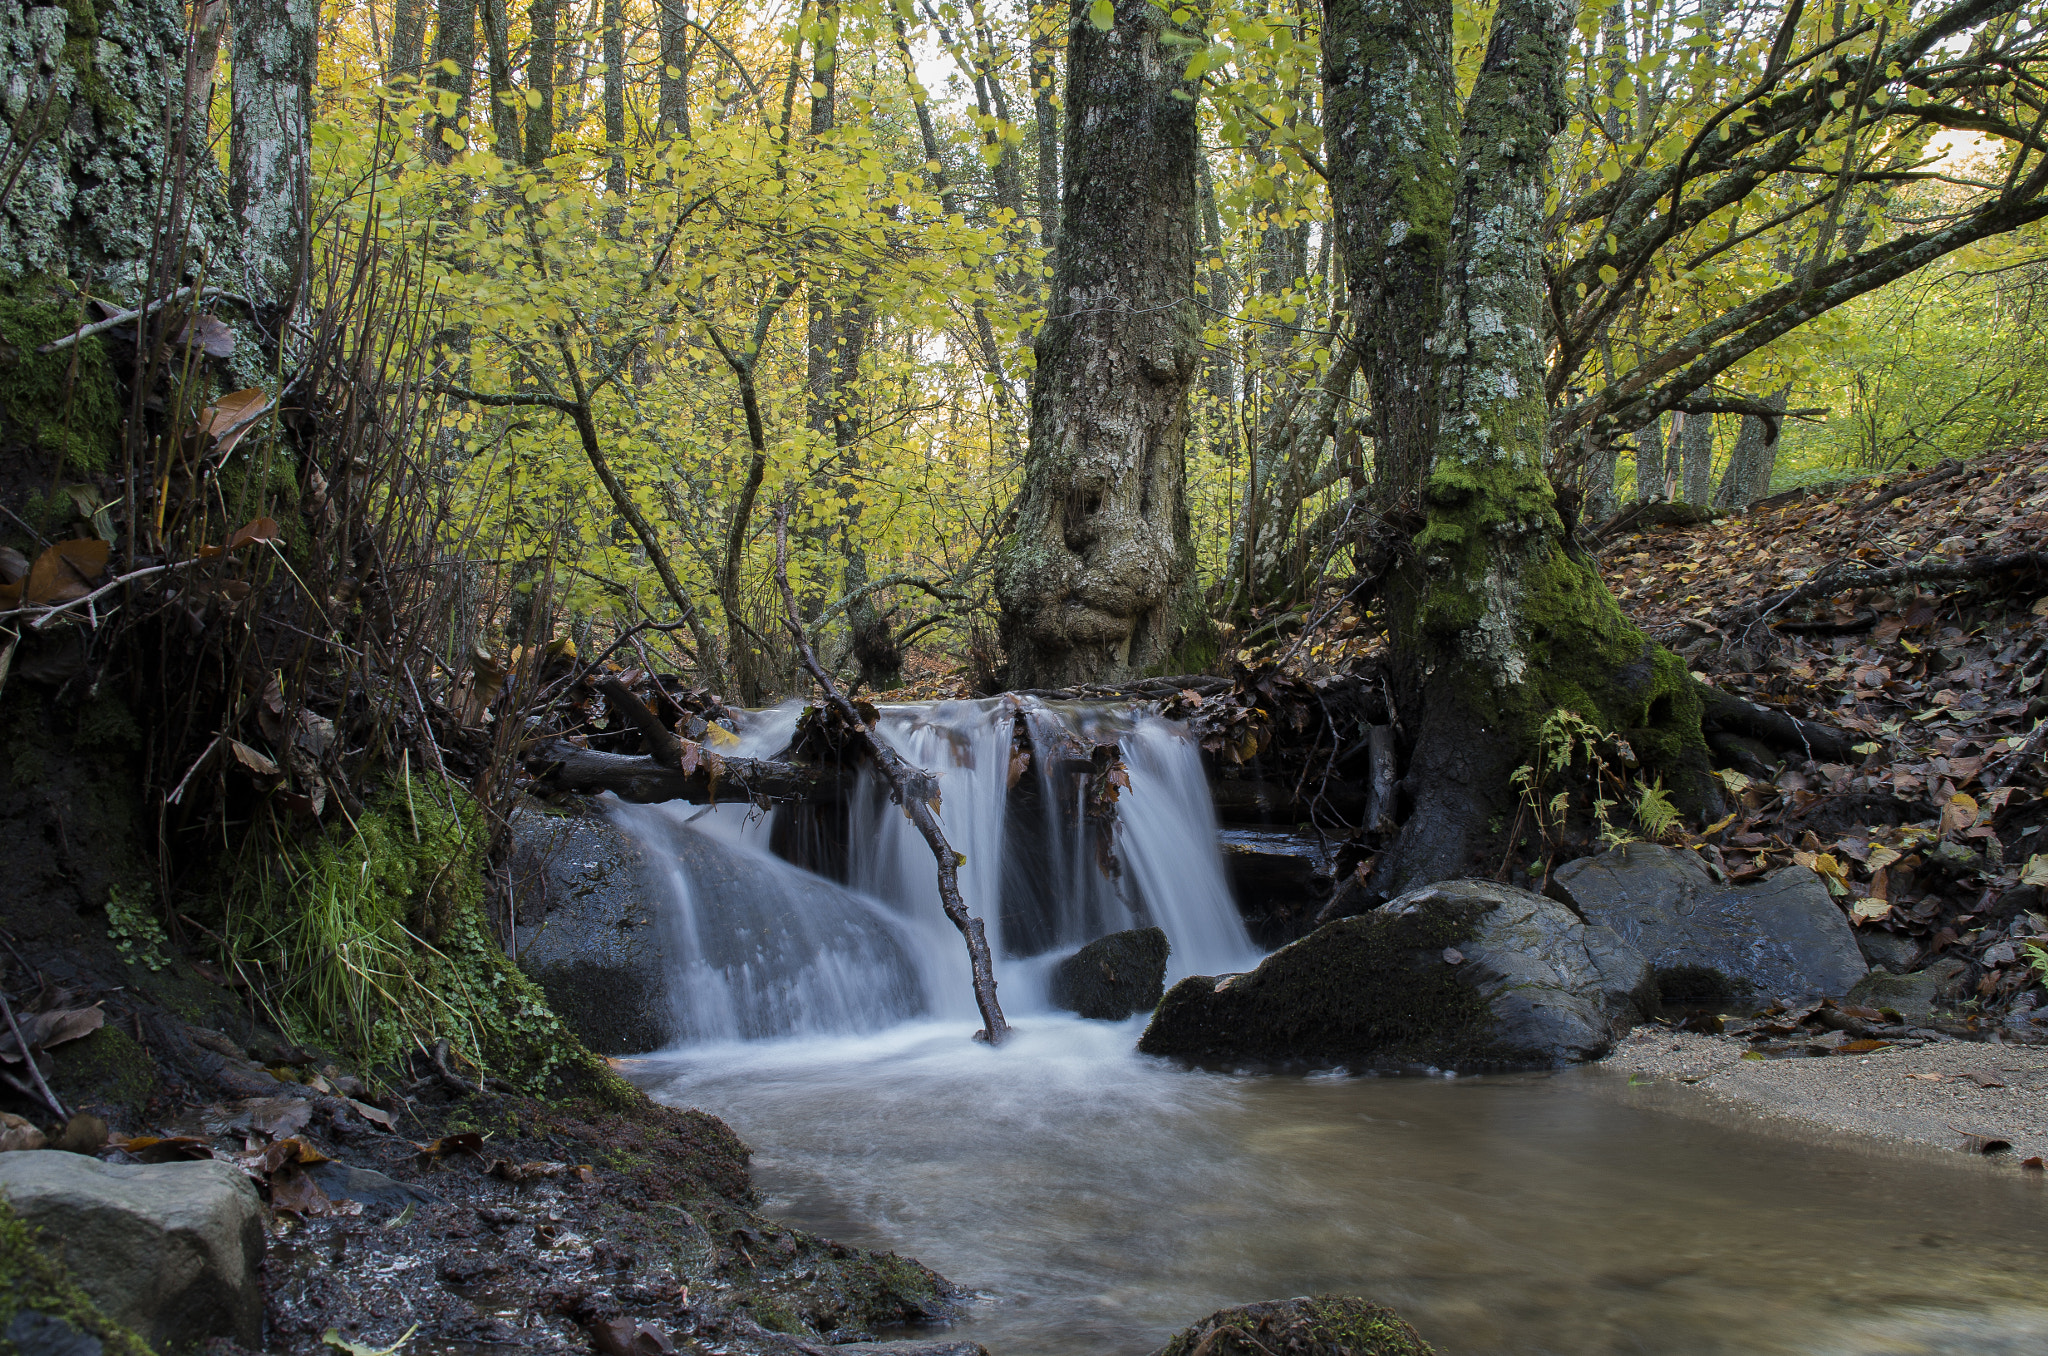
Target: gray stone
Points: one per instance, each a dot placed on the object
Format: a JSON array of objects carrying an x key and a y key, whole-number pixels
[
  {"x": 170, "y": 1250},
  {"x": 1887, "y": 950},
  {"x": 1785, "y": 938},
  {"x": 36, "y": 1334},
  {"x": 1467, "y": 974},
  {"x": 1913, "y": 996},
  {"x": 1113, "y": 977},
  {"x": 587, "y": 930}
]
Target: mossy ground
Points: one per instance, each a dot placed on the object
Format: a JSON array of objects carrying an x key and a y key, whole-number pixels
[
  {"x": 32, "y": 1282},
  {"x": 1370, "y": 990},
  {"x": 1327, "y": 1325}
]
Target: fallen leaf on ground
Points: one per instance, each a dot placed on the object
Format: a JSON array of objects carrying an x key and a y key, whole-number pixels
[
  {"x": 16, "y": 1133},
  {"x": 164, "y": 1148},
  {"x": 333, "y": 1338},
  {"x": 1983, "y": 1144},
  {"x": 375, "y": 1115},
  {"x": 627, "y": 1337},
  {"x": 1986, "y": 1080},
  {"x": 519, "y": 1174},
  {"x": 467, "y": 1142}
]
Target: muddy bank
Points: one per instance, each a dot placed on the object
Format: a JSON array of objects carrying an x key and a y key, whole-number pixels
[{"x": 1934, "y": 1095}]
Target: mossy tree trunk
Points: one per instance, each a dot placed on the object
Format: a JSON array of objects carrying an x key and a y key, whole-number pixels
[
  {"x": 270, "y": 150},
  {"x": 1096, "y": 581},
  {"x": 1499, "y": 618},
  {"x": 1391, "y": 97}
]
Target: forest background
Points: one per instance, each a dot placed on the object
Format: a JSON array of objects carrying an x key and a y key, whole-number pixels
[{"x": 679, "y": 263}]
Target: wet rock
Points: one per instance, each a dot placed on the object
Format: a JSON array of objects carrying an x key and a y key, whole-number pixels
[
  {"x": 1113, "y": 977},
  {"x": 1913, "y": 996},
  {"x": 586, "y": 900},
  {"x": 914, "y": 1347},
  {"x": 342, "y": 1182},
  {"x": 1468, "y": 974},
  {"x": 1784, "y": 938},
  {"x": 1280, "y": 880},
  {"x": 169, "y": 1250},
  {"x": 1888, "y": 950},
  {"x": 1327, "y": 1325}
]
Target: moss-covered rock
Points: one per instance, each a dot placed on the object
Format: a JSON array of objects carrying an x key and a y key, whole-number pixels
[
  {"x": 1467, "y": 974},
  {"x": 106, "y": 1072},
  {"x": 1113, "y": 977},
  {"x": 1326, "y": 1325},
  {"x": 41, "y": 1307}
]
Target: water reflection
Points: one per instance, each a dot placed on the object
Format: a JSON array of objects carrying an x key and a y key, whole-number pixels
[{"x": 1096, "y": 1200}]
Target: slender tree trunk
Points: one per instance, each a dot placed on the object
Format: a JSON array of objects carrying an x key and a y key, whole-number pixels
[
  {"x": 541, "y": 17},
  {"x": 672, "y": 110},
  {"x": 1045, "y": 20},
  {"x": 1095, "y": 582},
  {"x": 408, "y": 36},
  {"x": 615, "y": 96},
  {"x": 1390, "y": 100},
  {"x": 270, "y": 149},
  {"x": 1500, "y": 621},
  {"x": 1650, "y": 461},
  {"x": 454, "y": 46},
  {"x": 1748, "y": 475},
  {"x": 1698, "y": 458}
]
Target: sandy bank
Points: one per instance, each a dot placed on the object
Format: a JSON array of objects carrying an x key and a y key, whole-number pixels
[{"x": 1931, "y": 1095}]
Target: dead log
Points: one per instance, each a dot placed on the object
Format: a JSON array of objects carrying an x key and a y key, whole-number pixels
[
  {"x": 1726, "y": 711},
  {"x": 913, "y": 789},
  {"x": 559, "y": 766}
]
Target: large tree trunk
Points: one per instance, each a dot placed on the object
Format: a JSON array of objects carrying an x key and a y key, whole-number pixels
[
  {"x": 270, "y": 150},
  {"x": 454, "y": 47},
  {"x": 1500, "y": 620},
  {"x": 541, "y": 18},
  {"x": 1698, "y": 458},
  {"x": 408, "y": 36},
  {"x": 1096, "y": 582},
  {"x": 1391, "y": 100}
]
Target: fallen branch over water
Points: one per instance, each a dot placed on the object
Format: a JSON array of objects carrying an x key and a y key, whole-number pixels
[
  {"x": 558, "y": 765},
  {"x": 914, "y": 790}
]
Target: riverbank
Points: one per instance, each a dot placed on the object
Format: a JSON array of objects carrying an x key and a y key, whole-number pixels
[{"x": 1941, "y": 1095}]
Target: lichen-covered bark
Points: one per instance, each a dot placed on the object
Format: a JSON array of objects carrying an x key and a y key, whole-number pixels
[
  {"x": 1502, "y": 619},
  {"x": 1095, "y": 581},
  {"x": 1391, "y": 100},
  {"x": 452, "y": 69},
  {"x": 88, "y": 93},
  {"x": 270, "y": 146}
]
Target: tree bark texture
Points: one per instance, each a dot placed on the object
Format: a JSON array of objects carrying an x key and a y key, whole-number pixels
[
  {"x": 454, "y": 46},
  {"x": 541, "y": 16},
  {"x": 1500, "y": 620},
  {"x": 270, "y": 147},
  {"x": 1697, "y": 458},
  {"x": 408, "y": 38},
  {"x": 614, "y": 49},
  {"x": 1391, "y": 101},
  {"x": 672, "y": 108},
  {"x": 1650, "y": 461},
  {"x": 1096, "y": 581}
]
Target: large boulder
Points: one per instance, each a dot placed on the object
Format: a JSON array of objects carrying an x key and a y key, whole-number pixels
[
  {"x": 1916, "y": 996},
  {"x": 1784, "y": 938},
  {"x": 1463, "y": 974},
  {"x": 169, "y": 1250},
  {"x": 1327, "y": 1325},
  {"x": 588, "y": 905},
  {"x": 1113, "y": 977}
]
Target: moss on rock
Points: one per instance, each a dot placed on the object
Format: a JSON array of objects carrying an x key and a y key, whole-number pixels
[
  {"x": 106, "y": 1071},
  {"x": 37, "y": 1294},
  {"x": 64, "y": 404},
  {"x": 1371, "y": 988},
  {"x": 1326, "y": 1325}
]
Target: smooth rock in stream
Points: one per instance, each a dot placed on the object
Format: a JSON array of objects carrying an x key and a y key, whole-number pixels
[
  {"x": 1462, "y": 974},
  {"x": 1326, "y": 1325},
  {"x": 951, "y": 1346},
  {"x": 1114, "y": 977},
  {"x": 169, "y": 1250},
  {"x": 1784, "y": 938},
  {"x": 585, "y": 900}
]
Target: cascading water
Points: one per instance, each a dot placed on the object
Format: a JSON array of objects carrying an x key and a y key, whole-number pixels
[{"x": 761, "y": 948}]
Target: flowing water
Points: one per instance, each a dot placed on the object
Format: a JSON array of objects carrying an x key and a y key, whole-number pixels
[{"x": 1094, "y": 1199}]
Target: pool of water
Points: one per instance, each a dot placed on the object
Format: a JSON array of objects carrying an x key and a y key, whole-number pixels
[{"x": 1095, "y": 1200}]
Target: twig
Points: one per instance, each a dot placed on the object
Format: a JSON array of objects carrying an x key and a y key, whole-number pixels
[
  {"x": 115, "y": 321},
  {"x": 50, "y": 612},
  {"x": 914, "y": 790},
  {"x": 28, "y": 1057}
]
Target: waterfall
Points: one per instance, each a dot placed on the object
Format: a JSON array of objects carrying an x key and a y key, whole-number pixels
[{"x": 761, "y": 948}]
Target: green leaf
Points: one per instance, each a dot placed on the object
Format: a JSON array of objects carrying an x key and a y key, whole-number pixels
[{"x": 1102, "y": 14}]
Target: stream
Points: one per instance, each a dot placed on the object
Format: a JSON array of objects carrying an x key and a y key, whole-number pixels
[{"x": 1095, "y": 1200}]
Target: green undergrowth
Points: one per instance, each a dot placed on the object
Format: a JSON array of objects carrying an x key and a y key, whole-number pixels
[
  {"x": 372, "y": 942},
  {"x": 32, "y": 1282}
]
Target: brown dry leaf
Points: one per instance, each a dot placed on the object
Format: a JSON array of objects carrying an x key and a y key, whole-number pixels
[
  {"x": 16, "y": 1133},
  {"x": 261, "y": 530},
  {"x": 629, "y": 1337},
  {"x": 65, "y": 571},
  {"x": 165, "y": 1148},
  {"x": 1860, "y": 1047},
  {"x": 466, "y": 1142},
  {"x": 375, "y": 1115},
  {"x": 44, "y": 1030},
  {"x": 291, "y": 1189},
  {"x": 213, "y": 338},
  {"x": 254, "y": 763},
  {"x": 226, "y": 420},
  {"x": 1986, "y": 1080},
  {"x": 278, "y": 1117},
  {"x": 2035, "y": 1163},
  {"x": 520, "y": 1174}
]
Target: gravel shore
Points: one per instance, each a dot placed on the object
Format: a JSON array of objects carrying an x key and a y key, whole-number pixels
[{"x": 1936, "y": 1095}]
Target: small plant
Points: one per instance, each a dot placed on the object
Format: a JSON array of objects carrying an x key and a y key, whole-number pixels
[
  {"x": 1568, "y": 741},
  {"x": 1655, "y": 814},
  {"x": 2037, "y": 956},
  {"x": 137, "y": 936}
]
